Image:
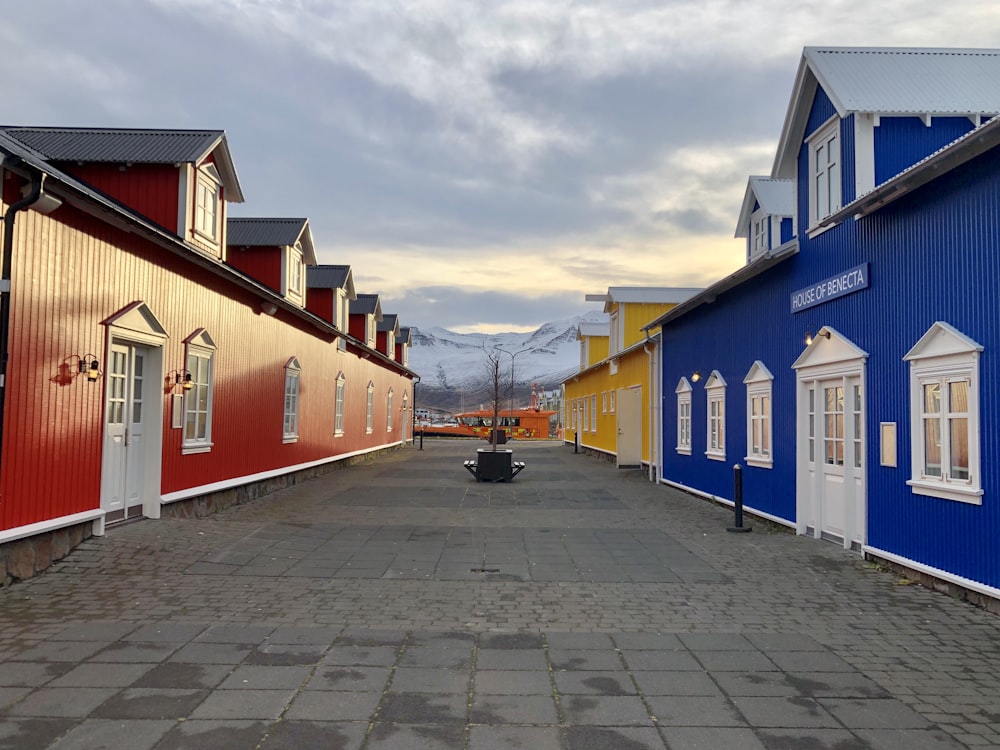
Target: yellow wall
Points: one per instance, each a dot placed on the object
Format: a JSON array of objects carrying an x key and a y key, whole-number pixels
[
  {"x": 637, "y": 315},
  {"x": 597, "y": 349}
]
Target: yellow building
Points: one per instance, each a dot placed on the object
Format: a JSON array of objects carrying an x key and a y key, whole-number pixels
[{"x": 606, "y": 406}]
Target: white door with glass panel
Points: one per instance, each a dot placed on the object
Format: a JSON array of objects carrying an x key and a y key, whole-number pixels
[
  {"x": 124, "y": 427},
  {"x": 835, "y": 455}
]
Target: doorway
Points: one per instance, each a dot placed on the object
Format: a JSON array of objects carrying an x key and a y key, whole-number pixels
[{"x": 629, "y": 423}]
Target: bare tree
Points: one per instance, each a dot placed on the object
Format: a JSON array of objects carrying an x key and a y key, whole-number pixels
[{"x": 491, "y": 365}]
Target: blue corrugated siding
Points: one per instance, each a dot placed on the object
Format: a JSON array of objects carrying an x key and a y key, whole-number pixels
[
  {"x": 933, "y": 255},
  {"x": 822, "y": 110},
  {"x": 786, "y": 230},
  {"x": 901, "y": 142}
]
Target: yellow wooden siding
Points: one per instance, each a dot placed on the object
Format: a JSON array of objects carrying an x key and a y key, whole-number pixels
[
  {"x": 597, "y": 349},
  {"x": 637, "y": 315}
]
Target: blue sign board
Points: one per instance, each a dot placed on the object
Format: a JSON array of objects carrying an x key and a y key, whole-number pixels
[{"x": 850, "y": 281}]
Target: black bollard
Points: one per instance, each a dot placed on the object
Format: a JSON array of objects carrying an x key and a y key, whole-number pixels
[
  {"x": 421, "y": 438},
  {"x": 739, "y": 528},
  {"x": 576, "y": 442}
]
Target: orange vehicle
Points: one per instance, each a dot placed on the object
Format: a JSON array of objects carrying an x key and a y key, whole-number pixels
[{"x": 529, "y": 423}]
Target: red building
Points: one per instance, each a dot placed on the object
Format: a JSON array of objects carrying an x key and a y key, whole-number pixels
[{"x": 157, "y": 356}]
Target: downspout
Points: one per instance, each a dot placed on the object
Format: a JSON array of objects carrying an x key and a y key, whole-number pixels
[
  {"x": 653, "y": 400},
  {"x": 37, "y": 178}
]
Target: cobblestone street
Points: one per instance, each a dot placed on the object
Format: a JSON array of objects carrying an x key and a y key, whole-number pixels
[{"x": 399, "y": 604}]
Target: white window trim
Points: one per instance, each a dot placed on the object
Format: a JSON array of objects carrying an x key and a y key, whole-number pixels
[
  {"x": 294, "y": 259},
  {"x": 293, "y": 372},
  {"x": 614, "y": 331},
  {"x": 683, "y": 391},
  {"x": 370, "y": 410},
  {"x": 208, "y": 176},
  {"x": 611, "y": 404},
  {"x": 604, "y": 402},
  {"x": 388, "y": 411},
  {"x": 339, "y": 402},
  {"x": 829, "y": 129},
  {"x": 593, "y": 412},
  {"x": 759, "y": 382},
  {"x": 760, "y": 233},
  {"x": 199, "y": 344},
  {"x": 715, "y": 392},
  {"x": 944, "y": 354}
]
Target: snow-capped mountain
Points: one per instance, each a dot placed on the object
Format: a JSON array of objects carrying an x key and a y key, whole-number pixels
[{"x": 450, "y": 362}]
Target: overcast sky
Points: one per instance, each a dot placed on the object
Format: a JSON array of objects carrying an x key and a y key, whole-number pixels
[{"x": 537, "y": 150}]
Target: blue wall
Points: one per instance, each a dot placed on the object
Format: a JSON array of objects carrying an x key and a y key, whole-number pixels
[
  {"x": 934, "y": 255},
  {"x": 901, "y": 142}
]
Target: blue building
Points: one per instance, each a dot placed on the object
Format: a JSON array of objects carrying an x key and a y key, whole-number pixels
[{"x": 851, "y": 365}]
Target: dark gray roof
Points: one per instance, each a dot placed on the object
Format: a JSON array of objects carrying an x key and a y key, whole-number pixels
[
  {"x": 389, "y": 322},
  {"x": 327, "y": 277},
  {"x": 404, "y": 335},
  {"x": 113, "y": 145},
  {"x": 365, "y": 304},
  {"x": 131, "y": 145},
  {"x": 243, "y": 232}
]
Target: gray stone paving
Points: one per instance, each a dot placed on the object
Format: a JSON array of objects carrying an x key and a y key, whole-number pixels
[{"x": 399, "y": 604}]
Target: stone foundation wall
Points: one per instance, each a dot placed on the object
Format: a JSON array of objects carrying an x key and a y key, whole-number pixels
[
  {"x": 954, "y": 590},
  {"x": 205, "y": 505},
  {"x": 23, "y": 558}
]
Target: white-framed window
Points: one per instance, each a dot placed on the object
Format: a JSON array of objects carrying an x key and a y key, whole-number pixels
[
  {"x": 199, "y": 360},
  {"x": 338, "y": 414},
  {"x": 944, "y": 415},
  {"x": 370, "y": 328},
  {"x": 571, "y": 406},
  {"x": 611, "y": 401},
  {"x": 584, "y": 347},
  {"x": 390, "y": 345},
  {"x": 370, "y": 409},
  {"x": 615, "y": 341},
  {"x": 683, "y": 391},
  {"x": 760, "y": 240},
  {"x": 290, "y": 429},
  {"x": 388, "y": 411},
  {"x": 294, "y": 274},
  {"x": 715, "y": 394},
  {"x": 586, "y": 413},
  {"x": 759, "y": 382},
  {"x": 824, "y": 171},
  {"x": 208, "y": 187},
  {"x": 604, "y": 402},
  {"x": 593, "y": 412}
]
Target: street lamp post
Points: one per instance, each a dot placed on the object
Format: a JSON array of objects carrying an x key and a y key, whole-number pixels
[{"x": 513, "y": 356}]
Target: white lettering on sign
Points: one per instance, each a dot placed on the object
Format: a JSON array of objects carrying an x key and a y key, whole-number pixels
[{"x": 850, "y": 281}]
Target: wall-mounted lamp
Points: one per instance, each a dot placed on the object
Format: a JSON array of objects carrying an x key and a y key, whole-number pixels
[
  {"x": 181, "y": 378},
  {"x": 696, "y": 376},
  {"x": 89, "y": 364},
  {"x": 810, "y": 338},
  {"x": 268, "y": 308}
]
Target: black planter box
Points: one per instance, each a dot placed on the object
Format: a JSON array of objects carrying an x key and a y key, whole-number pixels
[{"x": 494, "y": 466}]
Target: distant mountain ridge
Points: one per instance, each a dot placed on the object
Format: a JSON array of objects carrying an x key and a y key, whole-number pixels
[{"x": 453, "y": 363}]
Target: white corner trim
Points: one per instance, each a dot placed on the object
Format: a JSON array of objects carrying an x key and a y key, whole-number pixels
[
  {"x": 226, "y": 484},
  {"x": 944, "y": 575},
  {"x": 53, "y": 524}
]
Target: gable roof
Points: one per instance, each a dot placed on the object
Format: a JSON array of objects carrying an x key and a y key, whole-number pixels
[
  {"x": 367, "y": 304},
  {"x": 389, "y": 322},
  {"x": 776, "y": 198},
  {"x": 594, "y": 329},
  {"x": 256, "y": 232},
  {"x": 133, "y": 145},
  {"x": 889, "y": 81},
  {"x": 642, "y": 294},
  {"x": 404, "y": 336},
  {"x": 331, "y": 277}
]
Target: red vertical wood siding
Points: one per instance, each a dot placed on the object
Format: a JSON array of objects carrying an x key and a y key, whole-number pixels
[
  {"x": 150, "y": 189},
  {"x": 321, "y": 302},
  {"x": 357, "y": 327},
  {"x": 71, "y": 271},
  {"x": 260, "y": 263}
]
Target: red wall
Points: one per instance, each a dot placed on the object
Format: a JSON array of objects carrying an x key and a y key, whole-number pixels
[
  {"x": 70, "y": 272},
  {"x": 262, "y": 264},
  {"x": 321, "y": 302},
  {"x": 150, "y": 189}
]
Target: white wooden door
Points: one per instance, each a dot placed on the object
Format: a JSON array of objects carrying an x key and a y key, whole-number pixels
[
  {"x": 124, "y": 432},
  {"x": 629, "y": 418}
]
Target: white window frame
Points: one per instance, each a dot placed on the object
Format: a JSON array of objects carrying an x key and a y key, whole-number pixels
[
  {"x": 199, "y": 361},
  {"x": 290, "y": 415},
  {"x": 604, "y": 402},
  {"x": 826, "y": 178},
  {"x": 207, "y": 205},
  {"x": 370, "y": 331},
  {"x": 370, "y": 409},
  {"x": 715, "y": 435},
  {"x": 388, "y": 411},
  {"x": 586, "y": 414},
  {"x": 293, "y": 274},
  {"x": 944, "y": 356},
  {"x": 760, "y": 233},
  {"x": 593, "y": 412},
  {"x": 611, "y": 401},
  {"x": 683, "y": 391},
  {"x": 614, "y": 331},
  {"x": 338, "y": 405},
  {"x": 760, "y": 402},
  {"x": 584, "y": 352}
]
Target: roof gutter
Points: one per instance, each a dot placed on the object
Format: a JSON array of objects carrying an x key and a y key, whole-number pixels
[{"x": 34, "y": 194}]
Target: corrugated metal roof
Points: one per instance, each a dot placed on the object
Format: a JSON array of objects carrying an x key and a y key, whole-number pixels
[
  {"x": 114, "y": 145},
  {"x": 650, "y": 294},
  {"x": 327, "y": 277},
  {"x": 365, "y": 304},
  {"x": 389, "y": 322},
  {"x": 908, "y": 80},
  {"x": 255, "y": 232},
  {"x": 776, "y": 197},
  {"x": 595, "y": 329},
  {"x": 404, "y": 336}
]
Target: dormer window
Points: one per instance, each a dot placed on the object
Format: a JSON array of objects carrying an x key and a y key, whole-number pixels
[
  {"x": 390, "y": 344},
  {"x": 370, "y": 330},
  {"x": 824, "y": 172},
  {"x": 759, "y": 224},
  {"x": 614, "y": 343},
  {"x": 207, "y": 200},
  {"x": 341, "y": 311},
  {"x": 293, "y": 274}
]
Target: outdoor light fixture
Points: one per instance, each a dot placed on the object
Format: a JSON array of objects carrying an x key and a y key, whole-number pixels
[
  {"x": 696, "y": 376},
  {"x": 809, "y": 336},
  {"x": 181, "y": 378},
  {"x": 90, "y": 365}
]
